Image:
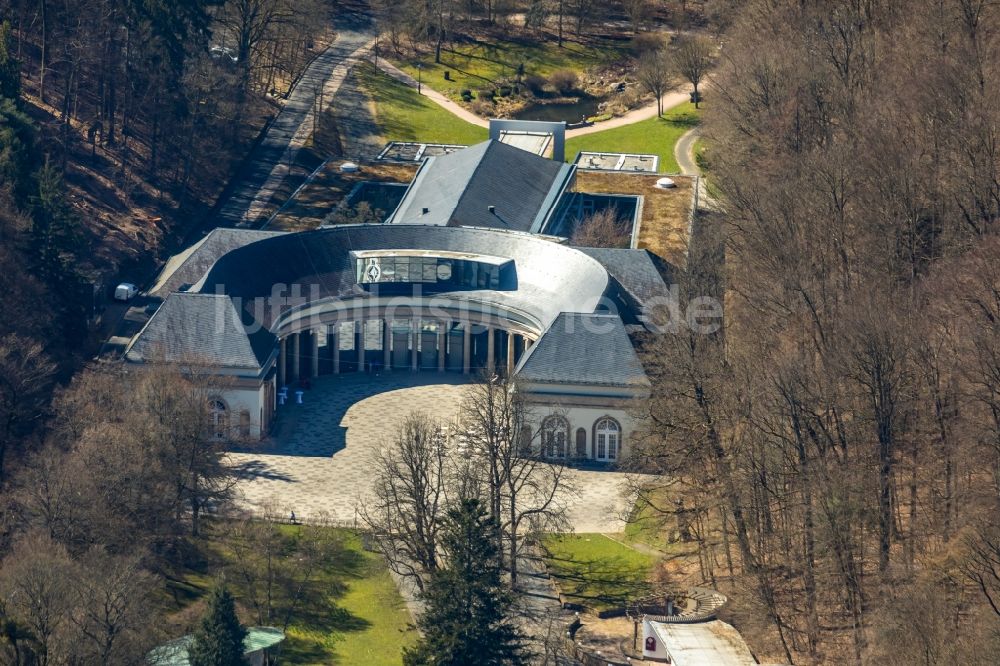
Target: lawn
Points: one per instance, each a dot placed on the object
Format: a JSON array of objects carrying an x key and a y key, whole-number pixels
[
  {"x": 361, "y": 620},
  {"x": 655, "y": 136},
  {"x": 597, "y": 571},
  {"x": 480, "y": 64},
  {"x": 403, "y": 115},
  {"x": 647, "y": 525}
]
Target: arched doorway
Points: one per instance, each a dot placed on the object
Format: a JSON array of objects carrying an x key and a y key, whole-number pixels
[
  {"x": 218, "y": 419},
  {"x": 607, "y": 439}
]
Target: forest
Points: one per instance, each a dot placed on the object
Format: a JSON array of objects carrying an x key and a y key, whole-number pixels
[{"x": 840, "y": 438}]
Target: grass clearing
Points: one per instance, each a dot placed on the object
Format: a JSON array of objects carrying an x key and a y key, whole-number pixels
[
  {"x": 361, "y": 620},
  {"x": 656, "y": 136},
  {"x": 404, "y": 115},
  {"x": 481, "y": 64},
  {"x": 595, "y": 570},
  {"x": 648, "y": 523}
]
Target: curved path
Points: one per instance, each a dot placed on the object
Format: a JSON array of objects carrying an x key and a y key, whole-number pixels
[
  {"x": 684, "y": 153},
  {"x": 670, "y": 100},
  {"x": 268, "y": 164}
]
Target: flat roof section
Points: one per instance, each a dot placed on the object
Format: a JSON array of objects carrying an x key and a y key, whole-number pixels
[
  {"x": 635, "y": 162},
  {"x": 533, "y": 142},
  {"x": 405, "y": 151},
  {"x": 713, "y": 643}
]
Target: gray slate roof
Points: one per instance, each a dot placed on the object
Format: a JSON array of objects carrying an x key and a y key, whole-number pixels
[
  {"x": 314, "y": 265},
  {"x": 584, "y": 349},
  {"x": 201, "y": 329},
  {"x": 638, "y": 271},
  {"x": 192, "y": 264},
  {"x": 457, "y": 189}
]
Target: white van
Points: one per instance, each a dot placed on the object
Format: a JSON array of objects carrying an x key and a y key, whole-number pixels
[{"x": 126, "y": 291}]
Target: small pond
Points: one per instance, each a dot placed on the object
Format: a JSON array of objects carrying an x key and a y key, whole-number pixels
[{"x": 571, "y": 112}]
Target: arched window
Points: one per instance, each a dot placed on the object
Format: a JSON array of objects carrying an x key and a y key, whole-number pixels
[
  {"x": 245, "y": 424},
  {"x": 555, "y": 432},
  {"x": 218, "y": 418},
  {"x": 581, "y": 443},
  {"x": 607, "y": 439}
]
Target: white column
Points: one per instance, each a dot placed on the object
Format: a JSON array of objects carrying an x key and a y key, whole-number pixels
[
  {"x": 359, "y": 343},
  {"x": 510, "y": 353},
  {"x": 335, "y": 346},
  {"x": 296, "y": 343},
  {"x": 314, "y": 365},
  {"x": 386, "y": 344},
  {"x": 414, "y": 344},
  {"x": 490, "y": 350},
  {"x": 442, "y": 344},
  {"x": 282, "y": 361},
  {"x": 466, "y": 347}
]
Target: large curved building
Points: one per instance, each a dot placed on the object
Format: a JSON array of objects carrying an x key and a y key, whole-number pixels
[{"x": 271, "y": 309}]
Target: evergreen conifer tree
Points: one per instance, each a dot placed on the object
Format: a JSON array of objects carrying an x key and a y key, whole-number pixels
[
  {"x": 219, "y": 639},
  {"x": 10, "y": 69},
  {"x": 467, "y": 605}
]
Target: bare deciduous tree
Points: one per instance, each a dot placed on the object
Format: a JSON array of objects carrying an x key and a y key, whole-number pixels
[
  {"x": 604, "y": 228},
  {"x": 279, "y": 572},
  {"x": 655, "y": 72},
  {"x": 693, "y": 58},
  {"x": 410, "y": 477},
  {"x": 525, "y": 493},
  {"x": 25, "y": 376}
]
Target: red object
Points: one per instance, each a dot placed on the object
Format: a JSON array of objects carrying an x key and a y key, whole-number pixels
[{"x": 650, "y": 644}]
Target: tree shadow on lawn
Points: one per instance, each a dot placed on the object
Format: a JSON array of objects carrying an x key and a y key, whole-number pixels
[
  {"x": 608, "y": 580},
  {"x": 320, "y": 622}
]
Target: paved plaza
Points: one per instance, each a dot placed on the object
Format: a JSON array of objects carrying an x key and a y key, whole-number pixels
[{"x": 319, "y": 457}]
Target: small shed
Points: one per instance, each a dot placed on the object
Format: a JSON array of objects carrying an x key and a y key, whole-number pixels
[{"x": 258, "y": 644}]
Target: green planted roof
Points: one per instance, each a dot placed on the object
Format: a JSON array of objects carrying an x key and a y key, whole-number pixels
[{"x": 175, "y": 652}]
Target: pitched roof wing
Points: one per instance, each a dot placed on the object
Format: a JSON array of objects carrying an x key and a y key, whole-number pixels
[{"x": 584, "y": 349}]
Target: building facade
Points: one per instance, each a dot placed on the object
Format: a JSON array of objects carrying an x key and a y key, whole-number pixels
[{"x": 265, "y": 311}]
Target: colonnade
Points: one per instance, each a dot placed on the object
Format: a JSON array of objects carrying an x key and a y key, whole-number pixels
[{"x": 409, "y": 344}]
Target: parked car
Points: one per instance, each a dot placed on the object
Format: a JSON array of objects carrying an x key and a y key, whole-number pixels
[{"x": 125, "y": 291}]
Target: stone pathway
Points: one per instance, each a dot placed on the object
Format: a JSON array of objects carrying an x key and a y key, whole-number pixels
[
  {"x": 354, "y": 115},
  {"x": 318, "y": 461},
  {"x": 268, "y": 165}
]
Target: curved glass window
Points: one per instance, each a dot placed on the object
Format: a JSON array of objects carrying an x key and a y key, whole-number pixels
[{"x": 444, "y": 271}]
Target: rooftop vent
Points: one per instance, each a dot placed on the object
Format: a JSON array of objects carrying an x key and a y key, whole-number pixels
[
  {"x": 665, "y": 183},
  {"x": 424, "y": 211},
  {"x": 349, "y": 167},
  {"x": 492, "y": 209}
]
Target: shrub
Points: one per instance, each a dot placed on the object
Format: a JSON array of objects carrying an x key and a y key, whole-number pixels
[
  {"x": 504, "y": 91},
  {"x": 701, "y": 158},
  {"x": 466, "y": 95},
  {"x": 563, "y": 80},
  {"x": 535, "y": 83},
  {"x": 482, "y": 107},
  {"x": 647, "y": 42},
  {"x": 603, "y": 228},
  {"x": 486, "y": 94}
]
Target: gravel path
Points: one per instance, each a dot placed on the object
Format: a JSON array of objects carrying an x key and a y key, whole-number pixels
[{"x": 269, "y": 163}]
